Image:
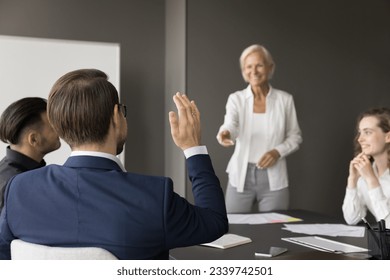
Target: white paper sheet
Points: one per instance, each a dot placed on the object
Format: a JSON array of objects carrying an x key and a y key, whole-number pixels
[
  {"x": 323, "y": 244},
  {"x": 326, "y": 229},
  {"x": 260, "y": 218}
]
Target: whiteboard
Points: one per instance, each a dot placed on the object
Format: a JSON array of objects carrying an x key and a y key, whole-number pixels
[{"x": 30, "y": 66}]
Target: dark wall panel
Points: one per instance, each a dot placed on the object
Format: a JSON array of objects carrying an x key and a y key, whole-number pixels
[
  {"x": 138, "y": 25},
  {"x": 333, "y": 56}
]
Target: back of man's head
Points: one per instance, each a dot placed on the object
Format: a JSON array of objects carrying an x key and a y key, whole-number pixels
[
  {"x": 22, "y": 114},
  {"x": 81, "y": 105}
]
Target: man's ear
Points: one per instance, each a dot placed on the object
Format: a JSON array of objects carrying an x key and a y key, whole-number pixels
[
  {"x": 387, "y": 137},
  {"x": 116, "y": 116},
  {"x": 33, "y": 138}
]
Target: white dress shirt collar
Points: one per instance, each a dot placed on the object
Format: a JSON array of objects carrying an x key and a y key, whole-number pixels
[{"x": 99, "y": 154}]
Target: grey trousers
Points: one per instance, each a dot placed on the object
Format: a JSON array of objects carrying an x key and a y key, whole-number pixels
[{"x": 256, "y": 191}]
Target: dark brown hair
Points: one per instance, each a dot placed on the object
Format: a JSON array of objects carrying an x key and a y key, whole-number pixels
[
  {"x": 81, "y": 105},
  {"x": 22, "y": 114},
  {"x": 383, "y": 117}
]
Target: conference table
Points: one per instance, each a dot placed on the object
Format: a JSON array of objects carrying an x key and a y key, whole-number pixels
[{"x": 270, "y": 234}]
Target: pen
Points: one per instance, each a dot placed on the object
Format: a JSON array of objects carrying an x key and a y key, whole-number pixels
[
  {"x": 382, "y": 225},
  {"x": 366, "y": 223},
  {"x": 382, "y": 240}
]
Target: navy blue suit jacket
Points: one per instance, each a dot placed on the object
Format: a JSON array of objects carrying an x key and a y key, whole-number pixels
[{"x": 90, "y": 201}]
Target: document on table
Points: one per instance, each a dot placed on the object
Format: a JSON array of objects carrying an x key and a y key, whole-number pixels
[
  {"x": 228, "y": 240},
  {"x": 260, "y": 218},
  {"x": 326, "y": 229},
  {"x": 323, "y": 244}
]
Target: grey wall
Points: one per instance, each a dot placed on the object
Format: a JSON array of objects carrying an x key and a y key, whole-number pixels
[
  {"x": 175, "y": 80},
  {"x": 138, "y": 26},
  {"x": 333, "y": 56}
]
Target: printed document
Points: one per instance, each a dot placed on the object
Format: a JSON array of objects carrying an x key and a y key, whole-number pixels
[
  {"x": 260, "y": 218},
  {"x": 325, "y": 245},
  {"x": 326, "y": 229}
]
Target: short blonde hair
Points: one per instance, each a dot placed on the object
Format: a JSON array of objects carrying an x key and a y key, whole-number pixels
[{"x": 259, "y": 49}]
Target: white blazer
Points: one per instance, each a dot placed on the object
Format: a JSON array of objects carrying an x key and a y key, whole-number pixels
[{"x": 283, "y": 134}]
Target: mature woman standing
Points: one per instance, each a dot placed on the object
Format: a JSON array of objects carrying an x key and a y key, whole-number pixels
[
  {"x": 368, "y": 184},
  {"x": 261, "y": 122}
]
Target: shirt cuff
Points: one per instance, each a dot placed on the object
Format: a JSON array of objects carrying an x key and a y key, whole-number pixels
[
  {"x": 379, "y": 203},
  {"x": 351, "y": 192},
  {"x": 197, "y": 150}
]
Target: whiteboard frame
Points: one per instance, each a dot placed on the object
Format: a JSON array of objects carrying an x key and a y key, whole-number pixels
[{"x": 30, "y": 66}]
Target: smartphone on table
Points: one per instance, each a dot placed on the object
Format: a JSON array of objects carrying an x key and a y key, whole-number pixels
[{"x": 272, "y": 252}]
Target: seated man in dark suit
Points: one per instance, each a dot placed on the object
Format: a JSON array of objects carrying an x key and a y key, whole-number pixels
[
  {"x": 24, "y": 126},
  {"x": 92, "y": 201}
]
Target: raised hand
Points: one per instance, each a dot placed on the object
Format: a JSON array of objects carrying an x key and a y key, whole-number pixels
[{"x": 185, "y": 125}]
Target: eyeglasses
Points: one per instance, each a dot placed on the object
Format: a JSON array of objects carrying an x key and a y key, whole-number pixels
[{"x": 123, "y": 109}]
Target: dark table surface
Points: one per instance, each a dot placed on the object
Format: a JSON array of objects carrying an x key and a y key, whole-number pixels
[{"x": 265, "y": 235}]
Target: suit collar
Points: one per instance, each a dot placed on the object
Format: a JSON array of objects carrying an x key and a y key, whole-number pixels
[
  {"x": 99, "y": 154},
  {"x": 92, "y": 162}
]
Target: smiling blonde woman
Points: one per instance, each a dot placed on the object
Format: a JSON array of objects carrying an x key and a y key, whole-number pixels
[{"x": 261, "y": 123}]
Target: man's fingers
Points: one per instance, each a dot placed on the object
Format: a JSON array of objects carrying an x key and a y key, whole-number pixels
[
  {"x": 185, "y": 107},
  {"x": 173, "y": 119},
  {"x": 179, "y": 104},
  {"x": 195, "y": 111},
  {"x": 185, "y": 124}
]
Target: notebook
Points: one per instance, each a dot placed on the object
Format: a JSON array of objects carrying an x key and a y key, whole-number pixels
[
  {"x": 228, "y": 240},
  {"x": 326, "y": 245}
]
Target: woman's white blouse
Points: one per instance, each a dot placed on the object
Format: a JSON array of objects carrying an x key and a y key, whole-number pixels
[
  {"x": 282, "y": 133},
  {"x": 377, "y": 201}
]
